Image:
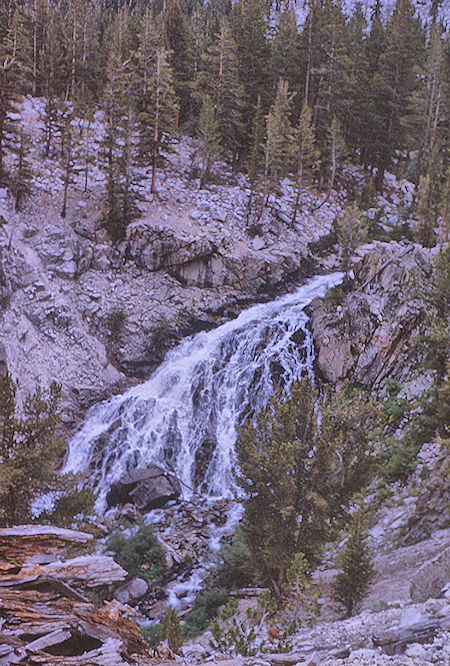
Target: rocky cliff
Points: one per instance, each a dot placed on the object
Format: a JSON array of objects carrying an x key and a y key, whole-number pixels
[{"x": 372, "y": 332}]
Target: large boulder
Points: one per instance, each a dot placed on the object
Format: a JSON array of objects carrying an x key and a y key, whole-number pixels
[
  {"x": 147, "y": 489},
  {"x": 131, "y": 591},
  {"x": 154, "y": 247}
]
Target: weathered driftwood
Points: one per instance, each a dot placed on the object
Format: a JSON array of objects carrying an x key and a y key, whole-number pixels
[
  {"x": 19, "y": 543},
  {"x": 395, "y": 640}
]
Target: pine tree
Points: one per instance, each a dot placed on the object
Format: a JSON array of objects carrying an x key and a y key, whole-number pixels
[
  {"x": 67, "y": 155},
  {"x": 177, "y": 44},
  {"x": 21, "y": 176},
  {"x": 351, "y": 231},
  {"x": 278, "y": 150},
  {"x": 255, "y": 163},
  {"x": 162, "y": 115},
  {"x": 171, "y": 629},
  {"x": 209, "y": 148},
  {"x": 295, "y": 491},
  {"x": 352, "y": 583},
  {"x": 285, "y": 49},
  {"x": 118, "y": 144},
  {"x": 394, "y": 85},
  {"x": 14, "y": 77},
  {"x": 306, "y": 154},
  {"x": 248, "y": 22},
  {"x": 219, "y": 79}
]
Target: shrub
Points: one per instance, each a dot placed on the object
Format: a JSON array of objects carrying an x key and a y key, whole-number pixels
[
  {"x": 141, "y": 554},
  {"x": 171, "y": 629},
  {"x": 204, "y": 609},
  {"x": 152, "y": 634},
  {"x": 231, "y": 571},
  {"x": 115, "y": 321}
]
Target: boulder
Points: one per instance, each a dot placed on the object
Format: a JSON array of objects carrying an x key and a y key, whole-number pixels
[
  {"x": 147, "y": 489},
  {"x": 154, "y": 247},
  {"x": 132, "y": 591}
]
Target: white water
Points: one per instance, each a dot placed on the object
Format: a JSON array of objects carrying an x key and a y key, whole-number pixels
[{"x": 184, "y": 417}]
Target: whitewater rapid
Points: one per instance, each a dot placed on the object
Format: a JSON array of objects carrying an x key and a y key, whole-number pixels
[{"x": 185, "y": 416}]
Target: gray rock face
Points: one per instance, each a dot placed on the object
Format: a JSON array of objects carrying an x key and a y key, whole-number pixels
[
  {"x": 431, "y": 577},
  {"x": 147, "y": 489},
  {"x": 371, "y": 334},
  {"x": 432, "y": 510},
  {"x": 131, "y": 592},
  {"x": 154, "y": 248},
  {"x": 67, "y": 257},
  {"x": 3, "y": 360}
]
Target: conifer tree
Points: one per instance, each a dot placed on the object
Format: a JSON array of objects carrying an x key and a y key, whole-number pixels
[
  {"x": 209, "y": 148},
  {"x": 12, "y": 82},
  {"x": 219, "y": 79},
  {"x": 177, "y": 44},
  {"x": 248, "y": 22},
  {"x": 351, "y": 231},
  {"x": 171, "y": 629},
  {"x": 285, "y": 49},
  {"x": 394, "y": 86},
  {"x": 298, "y": 472},
  {"x": 67, "y": 155},
  {"x": 306, "y": 154},
  {"x": 118, "y": 144},
  {"x": 255, "y": 163},
  {"x": 352, "y": 583},
  {"x": 278, "y": 150},
  {"x": 162, "y": 114},
  {"x": 21, "y": 176}
]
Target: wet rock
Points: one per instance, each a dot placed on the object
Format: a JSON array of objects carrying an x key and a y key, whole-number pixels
[
  {"x": 147, "y": 489},
  {"x": 132, "y": 591}
]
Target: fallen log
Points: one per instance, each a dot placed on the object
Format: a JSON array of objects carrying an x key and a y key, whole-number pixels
[{"x": 394, "y": 641}]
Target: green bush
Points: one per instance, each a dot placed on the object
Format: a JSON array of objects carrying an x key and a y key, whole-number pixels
[
  {"x": 231, "y": 573},
  {"x": 171, "y": 629},
  {"x": 398, "y": 457},
  {"x": 152, "y": 634},
  {"x": 204, "y": 609},
  {"x": 115, "y": 321},
  {"x": 394, "y": 407},
  {"x": 141, "y": 554}
]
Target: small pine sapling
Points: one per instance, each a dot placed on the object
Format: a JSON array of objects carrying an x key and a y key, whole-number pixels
[
  {"x": 171, "y": 629},
  {"x": 352, "y": 583}
]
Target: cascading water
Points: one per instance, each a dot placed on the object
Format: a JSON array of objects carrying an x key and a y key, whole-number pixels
[{"x": 185, "y": 416}]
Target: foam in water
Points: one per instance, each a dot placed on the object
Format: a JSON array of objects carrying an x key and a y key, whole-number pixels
[{"x": 185, "y": 416}]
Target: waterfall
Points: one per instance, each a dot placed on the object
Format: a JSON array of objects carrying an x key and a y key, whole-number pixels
[{"x": 184, "y": 417}]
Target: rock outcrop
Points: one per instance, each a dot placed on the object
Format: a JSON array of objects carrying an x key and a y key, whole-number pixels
[
  {"x": 46, "y": 617},
  {"x": 371, "y": 332}
]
